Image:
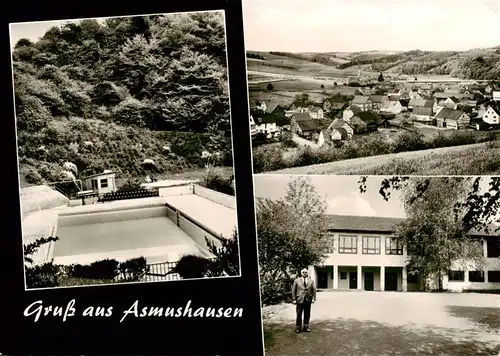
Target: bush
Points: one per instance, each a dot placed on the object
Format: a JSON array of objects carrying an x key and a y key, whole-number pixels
[
  {"x": 42, "y": 276},
  {"x": 268, "y": 160},
  {"x": 34, "y": 177},
  {"x": 133, "y": 269},
  {"x": 104, "y": 269},
  {"x": 409, "y": 141},
  {"x": 275, "y": 291},
  {"x": 214, "y": 179}
]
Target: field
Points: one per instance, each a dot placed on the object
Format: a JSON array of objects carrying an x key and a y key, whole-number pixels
[{"x": 476, "y": 159}]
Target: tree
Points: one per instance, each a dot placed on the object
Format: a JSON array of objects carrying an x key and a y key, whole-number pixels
[
  {"x": 291, "y": 234},
  {"x": 322, "y": 86},
  {"x": 302, "y": 99},
  {"x": 441, "y": 212},
  {"x": 270, "y": 87},
  {"x": 43, "y": 275},
  {"x": 380, "y": 77}
]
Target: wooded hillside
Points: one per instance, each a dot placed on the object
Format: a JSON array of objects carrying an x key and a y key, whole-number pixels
[{"x": 101, "y": 94}]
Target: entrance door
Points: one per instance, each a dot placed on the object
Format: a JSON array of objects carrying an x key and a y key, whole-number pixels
[
  {"x": 353, "y": 280},
  {"x": 322, "y": 280},
  {"x": 368, "y": 280},
  {"x": 391, "y": 281}
]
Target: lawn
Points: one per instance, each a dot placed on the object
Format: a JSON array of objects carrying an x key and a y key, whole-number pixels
[
  {"x": 474, "y": 159},
  {"x": 355, "y": 337}
]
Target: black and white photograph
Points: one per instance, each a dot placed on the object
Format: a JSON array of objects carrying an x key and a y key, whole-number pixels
[
  {"x": 124, "y": 149},
  {"x": 379, "y": 265},
  {"x": 374, "y": 87}
]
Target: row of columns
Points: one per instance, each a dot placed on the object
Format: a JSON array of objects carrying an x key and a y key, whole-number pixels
[{"x": 360, "y": 279}]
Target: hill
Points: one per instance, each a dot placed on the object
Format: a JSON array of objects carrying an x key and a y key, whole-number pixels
[
  {"x": 479, "y": 64},
  {"x": 107, "y": 95}
]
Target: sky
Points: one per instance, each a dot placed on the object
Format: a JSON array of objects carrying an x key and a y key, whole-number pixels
[
  {"x": 341, "y": 194},
  {"x": 386, "y": 25}
]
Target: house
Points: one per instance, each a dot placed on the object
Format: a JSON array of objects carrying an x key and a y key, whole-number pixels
[
  {"x": 363, "y": 255},
  {"x": 496, "y": 95},
  {"x": 451, "y": 103},
  {"x": 422, "y": 114},
  {"x": 330, "y": 135},
  {"x": 101, "y": 183},
  {"x": 315, "y": 112},
  {"x": 393, "y": 107},
  {"x": 393, "y": 97},
  {"x": 339, "y": 123},
  {"x": 369, "y": 120},
  {"x": 350, "y": 112},
  {"x": 492, "y": 114},
  {"x": 479, "y": 125},
  {"x": 453, "y": 119},
  {"x": 275, "y": 109},
  {"x": 378, "y": 101},
  {"x": 253, "y": 127},
  {"x": 303, "y": 124},
  {"x": 333, "y": 103},
  {"x": 414, "y": 95},
  {"x": 258, "y": 105},
  {"x": 363, "y": 102},
  {"x": 413, "y": 103}
]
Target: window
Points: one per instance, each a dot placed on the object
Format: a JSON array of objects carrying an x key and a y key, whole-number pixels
[
  {"x": 348, "y": 244},
  {"x": 476, "y": 276},
  {"x": 393, "y": 247},
  {"x": 493, "y": 276},
  {"x": 493, "y": 247},
  {"x": 104, "y": 183},
  {"x": 343, "y": 275},
  {"x": 371, "y": 245},
  {"x": 456, "y": 276},
  {"x": 94, "y": 183},
  {"x": 329, "y": 248}
]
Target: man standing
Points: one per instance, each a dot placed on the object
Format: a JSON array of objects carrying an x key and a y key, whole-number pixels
[{"x": 303, "y": 295}]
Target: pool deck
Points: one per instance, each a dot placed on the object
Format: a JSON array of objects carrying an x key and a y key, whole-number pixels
[
  {"x": 217, "y": 217},
  {"x": 160, "y": 238}
]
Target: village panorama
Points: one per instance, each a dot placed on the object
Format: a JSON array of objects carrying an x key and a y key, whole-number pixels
[{"x": 375, "y": 112}]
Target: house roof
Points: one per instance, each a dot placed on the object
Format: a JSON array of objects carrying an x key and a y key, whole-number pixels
[
  {"x": 421, "y": 102},
  {"x": 309, "y": 125},
  {"x": 495, "y": 105},
  {"x": 372, "y": 224},
  {"x": 337, "y": 123},
  {"x": 100, "y": 174},
  {"x": 362, "y": 223},
  {"x": 454, "y": 99},
  {"x": 271, "y": 107},
  {"x": 358, "y": 99},
  {"x": 422, "y": 110},
  {"x": 370, "y": 118},
  {"x": 334, "y": 100},
  {"x": 355, "y": 109},
  {"x": 394, "y": 97},
  {"x": 301, "y": 116},
  {"x": 449, "y": 114},
  {"x": 377, "y": 98}
]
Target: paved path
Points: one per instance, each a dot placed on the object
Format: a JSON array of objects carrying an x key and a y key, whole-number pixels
[
  {"x": 303, "y": 142},
  {"x": 352, "y": 166},
  {"x": 414, "y": 310}
]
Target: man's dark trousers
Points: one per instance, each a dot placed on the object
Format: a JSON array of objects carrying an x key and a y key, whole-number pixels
[{"x": 303, "y": 308}]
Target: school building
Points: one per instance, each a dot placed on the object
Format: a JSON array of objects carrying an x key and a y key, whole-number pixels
[{"x": 363, "y": 256}]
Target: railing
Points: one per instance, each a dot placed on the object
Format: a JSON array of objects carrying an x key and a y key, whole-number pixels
[
  {"x": 155, "y": 272},
  {"x": 129, "y": 195}
]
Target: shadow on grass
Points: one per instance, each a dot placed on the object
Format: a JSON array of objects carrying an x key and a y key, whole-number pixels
[
  {"x": 352, "y": 337},
  {"x": 488, "y": 318}
]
